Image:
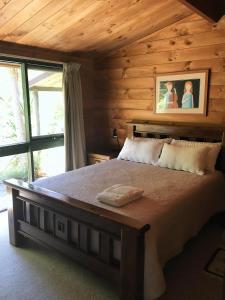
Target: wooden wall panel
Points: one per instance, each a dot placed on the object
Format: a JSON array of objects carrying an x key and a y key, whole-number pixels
[{"x": 124, "y": 80}]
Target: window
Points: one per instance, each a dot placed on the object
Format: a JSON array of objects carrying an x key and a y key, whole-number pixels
[
  {"x": 49, "y": 162},
  {"x": 46, "y": 103},
  {"x": 12, "y": 127},
  {"x": 31, "y": 121}
]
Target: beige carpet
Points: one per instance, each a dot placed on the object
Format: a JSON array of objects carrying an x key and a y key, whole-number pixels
[
  {"x": 35, "y": 273},
  {"x": 186, "y": 276}
]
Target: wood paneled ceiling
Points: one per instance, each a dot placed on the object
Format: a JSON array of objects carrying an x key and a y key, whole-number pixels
[{"x": 90, "y": 26}]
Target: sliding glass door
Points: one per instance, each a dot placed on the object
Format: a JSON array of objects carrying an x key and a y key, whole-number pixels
[{"x": 31, "y": 122}]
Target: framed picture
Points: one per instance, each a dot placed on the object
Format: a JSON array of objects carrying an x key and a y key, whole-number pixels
[{"x": 181, "y": 93}]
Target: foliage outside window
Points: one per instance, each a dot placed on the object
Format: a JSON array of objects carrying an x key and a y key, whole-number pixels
[{"x": 31, "y": 121}]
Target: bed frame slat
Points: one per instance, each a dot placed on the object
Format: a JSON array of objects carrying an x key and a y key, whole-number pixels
[
  {"x": 105, "y": 248},
  {"x": 84, "y": 237}
]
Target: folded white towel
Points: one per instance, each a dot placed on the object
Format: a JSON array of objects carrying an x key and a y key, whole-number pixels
[{"x": 119, "y": 195}]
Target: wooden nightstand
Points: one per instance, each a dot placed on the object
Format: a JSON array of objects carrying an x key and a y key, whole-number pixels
[{"x": 97, "y": 157}]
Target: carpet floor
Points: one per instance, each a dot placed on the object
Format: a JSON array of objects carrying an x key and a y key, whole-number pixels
[
  {"x": 185, "y": 274},
  {"x": 36, "y": 273}
]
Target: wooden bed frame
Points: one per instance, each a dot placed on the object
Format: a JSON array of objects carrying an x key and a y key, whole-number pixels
[{"x": 69, "y": 225}]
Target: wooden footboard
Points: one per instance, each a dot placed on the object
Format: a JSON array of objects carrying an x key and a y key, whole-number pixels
[{"x": 109, "y": 244}]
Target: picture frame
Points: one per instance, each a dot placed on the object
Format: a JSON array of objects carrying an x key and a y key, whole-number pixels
[{"x": 181, "y": 92}]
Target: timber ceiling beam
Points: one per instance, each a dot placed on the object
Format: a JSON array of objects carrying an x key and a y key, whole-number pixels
[
  {"x": 24, "y": 51},
  {"x": 212, "y": 10}
]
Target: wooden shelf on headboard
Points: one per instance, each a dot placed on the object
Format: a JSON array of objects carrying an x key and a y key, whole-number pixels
[
  {"x": 172, "y": 123},
  {"x": 192, "y": 130}
]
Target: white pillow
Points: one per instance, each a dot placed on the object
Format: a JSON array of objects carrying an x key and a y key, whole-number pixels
[
  {"x": 213, "y": 151},
  {"x": 191, "y": 159},
  {"x": 143, "y": 150}
]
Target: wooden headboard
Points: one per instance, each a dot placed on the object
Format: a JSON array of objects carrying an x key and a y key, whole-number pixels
[{"x": 192, "y": 132}]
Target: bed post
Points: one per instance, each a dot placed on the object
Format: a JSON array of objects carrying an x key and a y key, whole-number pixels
[
  {"x": 222, "y": 154},
  {"x": 132, "y": 264},
  {"x": 130, "y": 130},
  {"x": 13, "y": 214}
]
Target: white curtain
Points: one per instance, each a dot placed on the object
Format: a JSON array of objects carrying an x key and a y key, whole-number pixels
[{"x": 75, "y": 145}]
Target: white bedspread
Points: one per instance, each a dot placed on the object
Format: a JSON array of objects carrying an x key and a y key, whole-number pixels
[{"x": 176, "y": 204}]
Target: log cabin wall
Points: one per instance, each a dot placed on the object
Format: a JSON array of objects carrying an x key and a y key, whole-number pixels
[{"x": 124, "y": 80}]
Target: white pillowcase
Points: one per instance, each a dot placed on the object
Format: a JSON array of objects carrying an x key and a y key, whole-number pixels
[
  {"x": 191, "y": 159},
  {"x": 143, "y": 150},
  {"x": 213, "y": 151}
]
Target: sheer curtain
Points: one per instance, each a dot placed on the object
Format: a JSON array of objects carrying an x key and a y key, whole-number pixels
[{"x": 75, "y": 145}]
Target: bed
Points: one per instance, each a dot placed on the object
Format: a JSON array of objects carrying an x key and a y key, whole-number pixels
[{"x": 129, "y": 245}]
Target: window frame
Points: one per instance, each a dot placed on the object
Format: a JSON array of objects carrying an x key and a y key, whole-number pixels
[{"x": 33, "y": 143}]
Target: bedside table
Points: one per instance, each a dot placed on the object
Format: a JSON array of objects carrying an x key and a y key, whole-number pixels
[{"x": 101, "y": 156}]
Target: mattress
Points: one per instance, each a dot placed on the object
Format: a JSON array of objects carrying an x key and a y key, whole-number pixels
[{"x": 176, "y": 204}]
